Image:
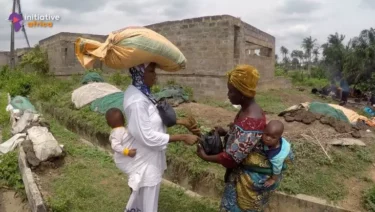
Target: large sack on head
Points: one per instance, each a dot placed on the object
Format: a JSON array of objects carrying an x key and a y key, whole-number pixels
[
  {"x": 88, "y": 93},
  {"x": 130, "y": 47}
]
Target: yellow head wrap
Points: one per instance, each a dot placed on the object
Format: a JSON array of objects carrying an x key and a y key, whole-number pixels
[{"x": 245, "y": 79}]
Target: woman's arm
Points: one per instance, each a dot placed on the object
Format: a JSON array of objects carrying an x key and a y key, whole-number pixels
[
  {"x": 223, "y": 158},
  {"x": 140, "y": 127}
]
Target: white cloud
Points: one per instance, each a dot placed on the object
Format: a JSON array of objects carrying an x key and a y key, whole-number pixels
[{"x": 288, "y": 20}]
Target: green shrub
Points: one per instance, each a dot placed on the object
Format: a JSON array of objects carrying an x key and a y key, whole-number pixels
[
  {"x": 20, "y": 83},
  {"x": 189, "y": 91},
  {"x": 48, "y": 91},
  {"x": 120, "y": 80},
  {"x": 318, "y": 72},
  {"x": 301, "y": 79},
  {"x": 369, "y": 199},
  {"x": 280, "y": 72},
  {"x": 9, "y": 171},
  {"x": 36, "y": 59}
]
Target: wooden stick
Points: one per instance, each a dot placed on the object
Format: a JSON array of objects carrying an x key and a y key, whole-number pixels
[
  {"x": 309, "y": 138},
  {"x": 321, "y": 146}
]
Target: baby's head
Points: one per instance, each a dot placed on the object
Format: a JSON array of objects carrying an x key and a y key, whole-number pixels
[
  {"x": 272, "y": 134},
  {"x": 115, "y": 118}
]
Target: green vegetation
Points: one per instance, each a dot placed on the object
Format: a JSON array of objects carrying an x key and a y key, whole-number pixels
[
  {"x": 9, "y": 172},
  {"x": 91, "y": 182},
  {"x": 314, "y": 174},
  {"x": 36, "y": 59},
  {"x": 355, "y": 61},
  {"x": 369, "y": 199}
]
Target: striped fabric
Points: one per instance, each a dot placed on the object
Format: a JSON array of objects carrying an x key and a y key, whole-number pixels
[{"x": 130, "y": 47}]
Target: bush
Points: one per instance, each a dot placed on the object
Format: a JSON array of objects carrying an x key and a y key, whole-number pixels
[
  {"x": 37, "y": 59},
  {"x": 9, "y": 171},
  {"x": 281, "y": 72},
  {"x": 369, "y": 199},
  {"x": 19, "y": 83},
  {"x": 119, "y": 79},
  {"x": 299, "y": 78},
  {"x": 318, "y": 72}
]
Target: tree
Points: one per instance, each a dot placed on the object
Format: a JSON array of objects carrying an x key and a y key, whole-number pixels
[
  {"x": 37, "y": 59},
  {"x": 295, "y": 55},
  {"x": 295, "y": 62},
  {"x": 334, "y": 53},
  {"x": 359, "y": 63},
  {"x": 308, "y": 45},
  {"x": 316, "y": 55},
  {"x": 285, "y": 52}
]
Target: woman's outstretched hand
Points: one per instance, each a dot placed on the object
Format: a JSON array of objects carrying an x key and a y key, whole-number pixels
[
  {"x": 191, "y": 139},
  {"x": 191, "y": 124}
]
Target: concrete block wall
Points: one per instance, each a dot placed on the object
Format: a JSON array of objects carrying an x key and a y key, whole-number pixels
[
  {"x": 4, "y": 58},
  {"x": 265, "y": 43},
  {"x": 213, "y": 45},
  {"x": 206, "y": 42}
]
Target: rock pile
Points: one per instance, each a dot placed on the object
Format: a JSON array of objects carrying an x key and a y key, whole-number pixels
[{"x": 308, "y": 117}]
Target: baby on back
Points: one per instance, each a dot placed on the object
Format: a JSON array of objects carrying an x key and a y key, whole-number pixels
[
  {"x": 115, "y": 119},
  {"x": 277, "y": 149}
]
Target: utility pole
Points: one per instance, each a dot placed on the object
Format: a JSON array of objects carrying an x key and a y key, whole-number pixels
[
  {"x": 12, "y": 56},
  {"x": 23, "y": 26}
]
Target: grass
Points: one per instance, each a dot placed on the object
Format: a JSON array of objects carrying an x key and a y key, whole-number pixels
[
  {"x": 89, "y": 181},
  {"x": 10, "y": 176},
  {"x": 313, "y": 173},
  {"x": 269, "y": 102},
  {"x": 369, "y": 199}
]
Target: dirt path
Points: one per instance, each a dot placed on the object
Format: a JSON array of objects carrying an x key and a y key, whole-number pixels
[{"x": 11, "y": 203}]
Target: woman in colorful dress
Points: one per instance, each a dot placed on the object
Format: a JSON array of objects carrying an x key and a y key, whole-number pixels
[{"x": 244, "y": 155}]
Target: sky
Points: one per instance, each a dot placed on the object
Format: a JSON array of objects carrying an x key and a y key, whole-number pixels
[{"x": 288, "y": 20}]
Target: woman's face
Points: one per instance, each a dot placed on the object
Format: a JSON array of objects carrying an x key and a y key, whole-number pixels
[
  {"x": 150, "y": 75},
  {"x": 234, "y": 96}
]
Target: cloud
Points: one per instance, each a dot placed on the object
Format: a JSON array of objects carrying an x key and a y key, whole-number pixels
[
  {"x": 368, "y": 4},
  {"x": 288, "y": 20},
  {"x": 150, "y": 11},
  {"x": 302, "y": 7},
  {"x": 81, "y": 6}
]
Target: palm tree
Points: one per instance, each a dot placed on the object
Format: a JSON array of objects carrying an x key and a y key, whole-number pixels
[
  {"x": 308, "y": 45},
  {"x": 360, "y": 59},
  {"x": 316, "y": 55},
  {"x": 285, "y": 52},
  {"x": 334, "y": 53},
  {"x": 295, "y": 56},
  {"x": 300, "y": 56}
]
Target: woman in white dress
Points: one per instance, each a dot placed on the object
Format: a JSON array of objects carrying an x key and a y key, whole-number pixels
[{"x": 147, "y": 134}]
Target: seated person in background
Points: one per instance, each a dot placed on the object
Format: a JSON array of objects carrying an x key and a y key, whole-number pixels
[
  {"x": 344, "y": 91},
  {"x": 372, "y": 100},
  {"x": 277, "y": 149}
]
